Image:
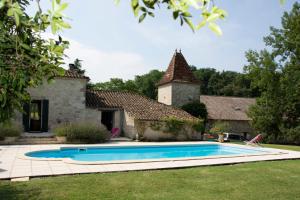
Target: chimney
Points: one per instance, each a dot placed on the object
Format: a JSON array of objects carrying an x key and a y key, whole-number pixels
[{"x": 72, "y": 67}]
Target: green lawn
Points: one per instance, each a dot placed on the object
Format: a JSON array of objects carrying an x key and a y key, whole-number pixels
[{"x": 258, "y": 181}]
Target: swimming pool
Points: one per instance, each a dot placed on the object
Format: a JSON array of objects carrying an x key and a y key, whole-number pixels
[{"x": 142, "y": 153}]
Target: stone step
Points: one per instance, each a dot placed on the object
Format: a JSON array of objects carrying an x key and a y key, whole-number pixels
[{"x": 27, "y": 140}]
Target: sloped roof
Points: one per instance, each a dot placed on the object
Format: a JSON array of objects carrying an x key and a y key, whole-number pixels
[
  {"x": 227, "y": 108},
  {"x": 178, "y": 71},
  {"x": 73, "y": 74},
  {"x": 137, "y": 106}
]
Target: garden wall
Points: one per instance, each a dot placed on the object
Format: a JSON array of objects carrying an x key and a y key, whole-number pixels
[{"x": 160, "y": 131}]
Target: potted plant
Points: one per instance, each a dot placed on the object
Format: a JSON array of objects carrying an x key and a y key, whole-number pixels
[
  {"x": 220, "y": 128},
  {"x": 9, "y": 132}
]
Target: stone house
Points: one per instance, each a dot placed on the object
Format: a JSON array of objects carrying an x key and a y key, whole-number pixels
[
  {"x": 179, "y": 86},
  {"x": 232, "y": 110},
  {"x": 67, "y": 99}
]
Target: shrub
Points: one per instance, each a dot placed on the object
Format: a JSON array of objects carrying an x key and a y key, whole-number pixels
[
  {"x": 10, "y": 130},
  {"x": 174, "y": 125},
  {"x": 196, "y": 109},
  {"x": 83, "y": 132}
]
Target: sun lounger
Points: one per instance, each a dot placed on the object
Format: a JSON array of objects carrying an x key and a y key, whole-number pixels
[{"x": 255, "y": 141}]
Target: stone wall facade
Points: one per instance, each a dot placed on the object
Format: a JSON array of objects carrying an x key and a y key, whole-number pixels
[
  {"x": 156, "y": 131},
  {"x": 178, "y": 94},
  {"x": 165, "y": 94},
  {"x": 128, "y": 126},
  {"x": 66, "y": 101}
]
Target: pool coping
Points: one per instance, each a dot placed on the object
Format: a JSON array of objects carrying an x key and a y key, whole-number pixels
[
  {"x": 13, "y": 166},
  {"x": 72, "y": 161}
]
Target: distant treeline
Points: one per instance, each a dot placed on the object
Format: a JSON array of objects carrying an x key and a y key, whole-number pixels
[{"x": 213, "y": 82}]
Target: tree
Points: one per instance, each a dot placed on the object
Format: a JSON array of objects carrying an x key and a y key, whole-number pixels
[
  {"x": 196, "y": 109},
  {"x": 142, "y": 84},
  {"x": 147, "y": 83},
  {"x": 78, "y": 66},
  {"x": 225, "y": 83},
  {"x": 276, "y": 74},
  {"x": 25, "y": 57},
  {"x": 116, "y": 84}
]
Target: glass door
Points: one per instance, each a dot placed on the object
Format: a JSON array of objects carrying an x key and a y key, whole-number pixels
[{"x": 35, "y": 112}]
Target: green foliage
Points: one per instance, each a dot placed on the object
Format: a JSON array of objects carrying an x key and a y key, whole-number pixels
[
  {"x": 198, "y": 126},
  {"x": 225, "y": 83},
  {"x": 82, "y": 132},
  {"x": 181, "y": 10},
  {"x": 276, "y": 73},
  {"x": 143, "y": 84},
  {"x": 176, "y": 126},
  {"x": 146, "y": 83},
  {"x": 156, "y": 125},
  {"x": 219, "y": 127},
  {"x": 25, "y": 58},
  {"x": 173, "y": 125},
  {"x": 196, "y": 109},
  {"x": 10, "y": 130},
  {"x": 78, "y": 66}
]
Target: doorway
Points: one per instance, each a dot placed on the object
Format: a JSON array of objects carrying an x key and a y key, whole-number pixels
[
  {"x": 35, "y": 123},
  {"x": 107, "y": 119},
  {"x": 35, "y": 116}
]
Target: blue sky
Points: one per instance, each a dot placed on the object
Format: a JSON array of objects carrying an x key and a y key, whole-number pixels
[{"x": 112, "y": 43}]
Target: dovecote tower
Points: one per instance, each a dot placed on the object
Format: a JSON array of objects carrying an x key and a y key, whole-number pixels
[{"x": 178, "y": 86}]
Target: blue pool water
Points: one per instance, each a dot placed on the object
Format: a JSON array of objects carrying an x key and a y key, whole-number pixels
[{"x": 142, "y": 152}]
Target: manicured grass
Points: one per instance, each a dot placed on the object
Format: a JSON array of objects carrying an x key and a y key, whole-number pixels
[
  {"x": 257, "y": 181},
  {"x": 276, "y": 146},
  {"x": 286, "y": 147}
]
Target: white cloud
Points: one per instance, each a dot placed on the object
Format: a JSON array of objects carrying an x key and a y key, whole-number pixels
[{"x": 102, "y": 65}]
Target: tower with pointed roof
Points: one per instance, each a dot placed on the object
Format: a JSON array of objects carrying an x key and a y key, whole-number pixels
[{"x": 178, "y": 86}]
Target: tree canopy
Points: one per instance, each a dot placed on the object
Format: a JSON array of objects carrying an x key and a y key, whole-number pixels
[
  {"x": 276, "y": 73},
  {"x": 25, "y": 57},
  {"x": 142, "y": 84},
  {"x": 213, "y": 82}
]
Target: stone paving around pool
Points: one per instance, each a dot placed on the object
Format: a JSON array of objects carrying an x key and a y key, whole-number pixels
[{"x": 13, "y": 164}]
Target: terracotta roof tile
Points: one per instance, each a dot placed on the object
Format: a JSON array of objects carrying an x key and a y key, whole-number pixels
[
  {"x": 74, "y": 74},
  {"x": 138, "y": 106},
  {"x": 227, "y": 108},
  {"x": 178, "y": 71}
]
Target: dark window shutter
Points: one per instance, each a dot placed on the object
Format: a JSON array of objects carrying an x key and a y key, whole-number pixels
[
  {"x": 45, "y": 113},
  {"x": 26, "y": 116}
]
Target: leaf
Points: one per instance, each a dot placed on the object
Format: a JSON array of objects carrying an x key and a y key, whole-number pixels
[
  {"x": 190, "y": 23},
  {"x": 151, "y": 14},
  {"x": 201, "y": 24},
  {"x": 10, "y": 12},
  {"x": 117, "y": 2},
  {"x": 62, "y": 7},
  {"x": 175, "y": 14},
  {"x": 215, "y": 28},
  {"x": 134, "y": 4},
  {"x": 213, "y": 17},
  {"x": 2, "y": 3},
  {"x": 194, "y": 3},
  {"x": 17, "y": 18},
  {"x": 186, "y": 14},
  {"x": 282, "y": 2},
  {"x": 142, "y": 17}
]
